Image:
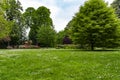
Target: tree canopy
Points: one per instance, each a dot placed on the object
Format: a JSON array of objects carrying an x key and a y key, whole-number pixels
[
  {"x": 36, "y": 19},
  {"x": 46, "y": 36},
  {"x": 95, "y": 25},
  {"x": 5, "y": 27},
  {"x": 13, "y": 13}
]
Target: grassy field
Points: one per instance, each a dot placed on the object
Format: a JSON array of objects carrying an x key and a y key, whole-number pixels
[{"x": 51, "y": 64}]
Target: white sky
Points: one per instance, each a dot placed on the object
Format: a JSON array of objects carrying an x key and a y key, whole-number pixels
[{"x": 61, "y": 10}]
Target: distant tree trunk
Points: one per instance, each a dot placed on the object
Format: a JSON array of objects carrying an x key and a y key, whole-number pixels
[
  {"x": 8, "y": 43},
  {"x": 92, "y": 46}
]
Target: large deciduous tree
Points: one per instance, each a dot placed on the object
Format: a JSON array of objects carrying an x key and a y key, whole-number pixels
[
  {"x": 34, "y": 19},
  {"x": 30, "y": 22},
  {"x": 95, "y": 25},
  {"x": 41, "y": 17},
  {"x": 13, "y": 13}
]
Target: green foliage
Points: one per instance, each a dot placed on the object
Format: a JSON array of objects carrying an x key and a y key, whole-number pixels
[
  {"x": 51, "y": 64},
  {"x": 68, "y": 28},
  {"x": 30, "y": 22},
  {"x": 5, "y": 27},
  {"x": 29, "y": 15},
  {"x": 95, "y": 25},
  {"x": 36, "y": 19},
  {"x": 63, "y": 37},
  {"x": 46, "y": 36},
  {"x": 60, "y": 36},
  {"x": 13, "y": 13},
  {"x": 4, "y": 5},
  {"x": 116, "y": 6},
  {"x": 43, "y": 17}
]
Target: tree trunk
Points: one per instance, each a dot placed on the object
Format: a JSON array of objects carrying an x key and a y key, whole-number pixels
[{"x": 92, "y": 46}]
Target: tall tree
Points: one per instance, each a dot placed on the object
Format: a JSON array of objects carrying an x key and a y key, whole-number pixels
[
  {"x": 41, "y": 18},
  {"x": 95, "y": 25},
  {"x": 116, "y": 6},
  {"x": 30, "y": 22},
  {"x": 13, "y": 14}
]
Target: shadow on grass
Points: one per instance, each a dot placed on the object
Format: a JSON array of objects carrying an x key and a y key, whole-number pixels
[
  {"x": 101, "y": 50},
  {"x": 95, "y": 50}
]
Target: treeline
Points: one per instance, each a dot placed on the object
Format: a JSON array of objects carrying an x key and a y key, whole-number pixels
[
  {"x": 15, "y": 24},
  {"x": 95, "y": 25}
]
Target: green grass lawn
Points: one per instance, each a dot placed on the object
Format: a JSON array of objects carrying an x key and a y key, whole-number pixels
[{"x": 51, "y": 64}]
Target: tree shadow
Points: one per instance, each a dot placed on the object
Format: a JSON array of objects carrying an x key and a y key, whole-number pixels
[
  {"x": 97, "y": 50},
  {"x": 102, "y": 50}
]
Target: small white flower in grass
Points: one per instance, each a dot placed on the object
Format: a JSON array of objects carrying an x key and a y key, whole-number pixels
[
  {"x": 55, "y": 58},
  {"x": 99, "y": 77}
]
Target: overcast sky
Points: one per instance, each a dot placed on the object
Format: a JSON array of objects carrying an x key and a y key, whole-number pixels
[{"x": 61, "y": 10}]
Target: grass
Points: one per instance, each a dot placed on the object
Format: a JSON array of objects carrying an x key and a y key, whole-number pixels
[{"x": 52, "y": 64}]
